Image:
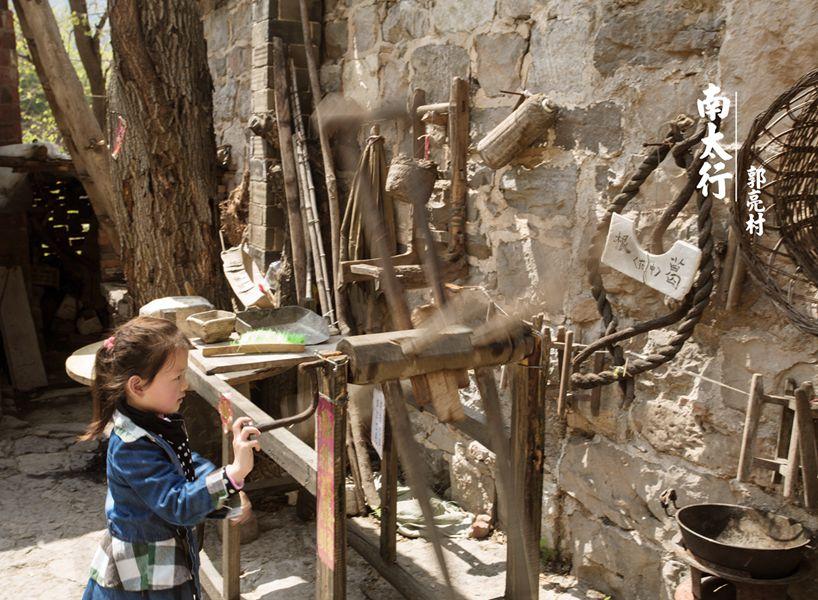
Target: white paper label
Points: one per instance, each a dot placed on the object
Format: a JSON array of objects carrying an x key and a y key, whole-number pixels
[
  {"x": 671, "y": 273},
  {"x": 378, "y": 419}
]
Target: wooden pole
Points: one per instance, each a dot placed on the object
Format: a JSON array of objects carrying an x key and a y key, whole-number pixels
[
  {"x": 389, "y": 495},
  {"x": 329, "y": 167},
  {"x": 527, "y": 459},
  {"x": 285, "y": 146},
  {"x": 75, "y": 118},
  {"x": 806, "y": 443},
  {"x": 418, "y": 129},
  {"x": 458, "y": 150},
  {"x": 231, "y": 541},
  {"x": 751, "y": 418},
  {"x": 330, "y": 497}
]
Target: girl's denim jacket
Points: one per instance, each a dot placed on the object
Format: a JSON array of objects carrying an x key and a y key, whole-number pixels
[{"x": 151, "y": 510}]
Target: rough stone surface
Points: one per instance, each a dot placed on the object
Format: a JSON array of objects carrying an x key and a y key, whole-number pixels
[
  {"x": 462, "y": 15},
  {"x": 336, "y": 38},
  {"x": 472, "y": 472},
  {"x": 546, "y": 188},
  {"x": 433, "y": 67},
  {"x": 364, "y": 25},
  {"x": 596, "y": 128},
  {"x": 405, "y": 21},
  {"x": 499, "y": 56}
]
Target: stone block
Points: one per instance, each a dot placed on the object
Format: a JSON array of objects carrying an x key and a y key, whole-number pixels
[
  {"x": 433, "y": 67},
  {"x": 472, "y": 477},
  {"x": 336, "y": 39},
  {"x": 499, "y": 58},
  {"x": 462, "y": 15},
  {"x": 546, "y": 190},
  {"x": 405, "y": 21},
  {"x": 596, "y": 128}
]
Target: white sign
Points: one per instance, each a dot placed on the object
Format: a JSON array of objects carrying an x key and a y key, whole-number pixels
[
  {"x": 671, "y": 273},
  {"x": 378, "y": 419}
]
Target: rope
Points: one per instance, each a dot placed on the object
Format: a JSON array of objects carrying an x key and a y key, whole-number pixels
[{"x": 695, "y": 302}]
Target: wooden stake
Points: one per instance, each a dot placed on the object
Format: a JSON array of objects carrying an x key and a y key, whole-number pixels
[
  {"x": 418, "y": 128},
  {"x": 565, "y": 373},
  {"x": 389, "y": 494},
  {"x": 458, "y": 151}
]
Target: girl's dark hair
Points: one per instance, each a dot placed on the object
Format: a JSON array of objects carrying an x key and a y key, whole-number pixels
[{"x": 139, "y": 347}]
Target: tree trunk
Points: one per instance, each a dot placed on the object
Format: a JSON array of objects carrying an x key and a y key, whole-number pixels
[
  {"x": 88, "y": 48},
  {"x": 78, "y": 126},
  {"x": 166, "y": 173}
]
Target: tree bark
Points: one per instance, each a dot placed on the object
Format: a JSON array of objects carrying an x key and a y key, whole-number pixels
[
  {"x": 88, "y": 48},
  {"x": 166, "y": 174}
]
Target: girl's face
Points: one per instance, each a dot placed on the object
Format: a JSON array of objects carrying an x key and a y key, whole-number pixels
[{"x": 166, "y": 392}]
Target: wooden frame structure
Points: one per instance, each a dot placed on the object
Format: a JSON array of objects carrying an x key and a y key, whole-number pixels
[{"x": 322, "y": 471}]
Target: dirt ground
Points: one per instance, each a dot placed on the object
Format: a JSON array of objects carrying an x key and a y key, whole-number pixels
[{"x": 52, "y": 494}]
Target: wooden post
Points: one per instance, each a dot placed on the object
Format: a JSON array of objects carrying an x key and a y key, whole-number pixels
[
  {"x": 418, "y": 129},
  {"x": 754, "y": 405},
  {"x": 458, "y": 151},
  {"x": 285, "y": 145},
  {"x": 330, "y": 496},
  {"x": 231, "y": 540},
  {"x": 806, "y": 444},
  {"x": 565, "y": 371},
  {"x": 389, "y": 494},
  {"x": 527, "y": 452}
]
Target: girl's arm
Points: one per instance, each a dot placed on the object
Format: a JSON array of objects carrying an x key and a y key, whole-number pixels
[
  {"x": 154, "y": 479},
  {"x": 201, "y": 465}
]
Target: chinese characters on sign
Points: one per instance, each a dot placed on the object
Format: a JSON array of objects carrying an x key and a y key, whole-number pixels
[
  {"x": 756, "y": 178},
  {"x": 671, "y": 273},
  {"x": 713, "y": 175}
]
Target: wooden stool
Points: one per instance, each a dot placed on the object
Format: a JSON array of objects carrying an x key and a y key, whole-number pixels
[{"x": 796, "y": 440}]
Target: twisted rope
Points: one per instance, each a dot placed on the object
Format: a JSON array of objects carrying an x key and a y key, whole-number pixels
[{"x": 695, "y": 301}]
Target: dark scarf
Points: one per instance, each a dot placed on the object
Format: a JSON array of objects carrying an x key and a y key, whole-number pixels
[{"x": 171, "y": 428}]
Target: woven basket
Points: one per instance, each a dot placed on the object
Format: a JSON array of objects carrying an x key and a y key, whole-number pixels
[{"x": 784, "y": 260}]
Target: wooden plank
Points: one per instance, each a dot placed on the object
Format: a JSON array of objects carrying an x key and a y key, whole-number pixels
[
  {"x": 231, "y": 540},
  {"x": 527, "y": 453},
  {"x": 806, "y": 444},
  {"x": 235, "y": 378},
  {"x": 19, "y": 335},
  {"x": 245, "y": 362},
  {"x": 330, "y": 436},
  {"x": 751, "y": 419},
  {"x": 389, "y": 494},
  {"x": 365, "y": 543},
  {"x": 565, "y": 373}
]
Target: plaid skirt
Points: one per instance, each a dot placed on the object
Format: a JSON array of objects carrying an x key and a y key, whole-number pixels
[{"x": 94, "y": 591}]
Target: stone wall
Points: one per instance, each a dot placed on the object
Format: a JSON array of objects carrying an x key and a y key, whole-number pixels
[{"x": 620, "y": 71}]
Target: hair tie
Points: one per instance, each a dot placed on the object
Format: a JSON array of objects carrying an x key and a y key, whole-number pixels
[{"x": 109, "y": 343}]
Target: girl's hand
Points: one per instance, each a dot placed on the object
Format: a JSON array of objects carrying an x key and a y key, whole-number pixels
[
  {"x": 246, "y": 510},
  {"x": 243, "y": 448}
]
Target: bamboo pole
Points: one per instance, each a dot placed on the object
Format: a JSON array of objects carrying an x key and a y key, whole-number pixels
[
  {"x": 311, "y": 207},
  {"x": 329, "y": 167}
]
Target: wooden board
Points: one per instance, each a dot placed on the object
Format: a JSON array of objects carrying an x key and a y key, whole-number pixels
[
  {"x": 246, "y": 362},
  {"x": 19, "y": 335}
]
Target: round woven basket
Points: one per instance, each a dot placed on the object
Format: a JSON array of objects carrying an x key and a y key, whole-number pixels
[{"x": 784, "y": 259}]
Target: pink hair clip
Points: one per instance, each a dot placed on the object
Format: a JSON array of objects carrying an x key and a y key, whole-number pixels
[{"x": 109, "y": 343}]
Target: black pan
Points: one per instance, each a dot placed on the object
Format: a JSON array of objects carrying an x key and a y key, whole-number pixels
[{"x": 762, "y": 544}]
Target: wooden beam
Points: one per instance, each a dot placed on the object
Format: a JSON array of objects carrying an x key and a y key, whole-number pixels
[
  {"x": 330, "y": 500},
  {"x": 389, "y": 494},
  {"x": 806, "y": 444},
  {"x": 458, "y": 150},
  {"x": 527, "y": 460},
  {"x": 378, "y": 357},
  {"x": 67, "y": 99},
  {"x": 751, "y": 420},
  {"x": 418, "y": 128}
]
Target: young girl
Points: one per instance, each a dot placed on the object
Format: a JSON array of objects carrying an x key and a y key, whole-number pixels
[{"x": 158, "y": 489}]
